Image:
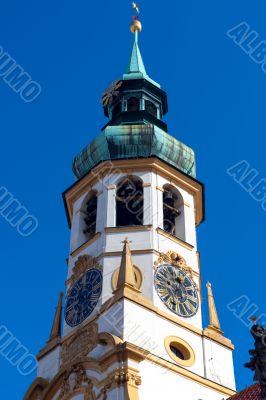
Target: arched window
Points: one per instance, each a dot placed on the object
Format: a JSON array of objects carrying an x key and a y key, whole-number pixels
[
  {"x": 133, "y": 104},
  {"x": 151, "y": 108},
  {"x": 173, "y": 212},
  {"x": 116, "y": 110},
  {"x": 90, "y": 216},
  {"x": 129, "y": 202}
]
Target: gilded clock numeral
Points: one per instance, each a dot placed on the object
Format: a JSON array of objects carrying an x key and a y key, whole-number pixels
[
  {"x": 176, "y": 290},
  {"x": 191, "y": 298}
]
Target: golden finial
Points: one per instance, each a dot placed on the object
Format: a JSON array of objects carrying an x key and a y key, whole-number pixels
[{"x": 136, "y": 26}]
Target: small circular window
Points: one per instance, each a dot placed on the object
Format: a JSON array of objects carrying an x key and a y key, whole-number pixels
[{"x": 180, "y": 351}]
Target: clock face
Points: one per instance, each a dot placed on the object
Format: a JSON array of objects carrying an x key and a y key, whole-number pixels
[
  {"x": 176, "y": 290},
  {"x": 83, "y": 297}
]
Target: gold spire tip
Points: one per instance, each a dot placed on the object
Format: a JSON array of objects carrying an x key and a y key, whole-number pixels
[
  {"x": 126, "y": 241},
  {"x": 136, "y": 25}
]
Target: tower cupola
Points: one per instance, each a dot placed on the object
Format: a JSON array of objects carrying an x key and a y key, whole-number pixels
[{"x": 136, "y": 98}]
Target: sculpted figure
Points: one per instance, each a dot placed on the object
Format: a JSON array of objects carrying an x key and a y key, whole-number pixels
[{"x": 257, "y": 362}]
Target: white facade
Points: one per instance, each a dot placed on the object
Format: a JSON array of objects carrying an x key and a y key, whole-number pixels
[{"x": 145, "y": 324}]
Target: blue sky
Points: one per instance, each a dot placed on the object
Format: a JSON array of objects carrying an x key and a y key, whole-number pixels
[{"x": 216, "y": 106}]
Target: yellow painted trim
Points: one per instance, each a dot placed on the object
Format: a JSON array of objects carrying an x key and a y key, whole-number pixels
[
  {"x": 184, "y": 348},
  {"x": 126, "y": 166},
  {"x": 85, "y": 245},
  {"x": 38, "y": 383},
  {"x": 135, "y": 297},
  {"x": 138, "y": 354},
  {"x": 175, "y": 239},
  {"x": 218, "y": 338},
  {"x": 145, "y": 303},
  {"x": 137, "y": 228}
]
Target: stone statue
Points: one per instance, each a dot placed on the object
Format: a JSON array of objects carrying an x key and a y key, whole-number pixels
[{"x": 257, "y": 362}]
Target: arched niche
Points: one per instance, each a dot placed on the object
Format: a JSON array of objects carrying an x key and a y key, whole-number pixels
[
  {"x": 129, "y": 201},
  {"x": 173, "y": 212}
]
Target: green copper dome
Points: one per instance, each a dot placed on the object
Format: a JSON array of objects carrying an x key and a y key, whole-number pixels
[
  {"x": 135, "y": 141},
  {"x": 135, "y": 106}
]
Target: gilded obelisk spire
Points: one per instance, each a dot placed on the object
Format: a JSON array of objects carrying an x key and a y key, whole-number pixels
[
  {"x": 56, "y": 327},
  {"x": 214, "y": 320},
  {"x": 126, "y": 276}
]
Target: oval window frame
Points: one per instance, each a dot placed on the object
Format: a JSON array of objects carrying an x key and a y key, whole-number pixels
[{"x": 182, "y": 347}]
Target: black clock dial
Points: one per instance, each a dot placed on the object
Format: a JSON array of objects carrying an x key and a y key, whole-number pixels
[
  {"x": 83, "y": 297},
  {"x": 176, "y": 290}
]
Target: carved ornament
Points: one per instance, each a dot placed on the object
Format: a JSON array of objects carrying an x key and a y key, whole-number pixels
[
  {"x": 76, "y": 380},
  {"x": 79, "y": 345},
  {"x": 83, "y": 264},
  {"x": 173, "y": 258}
]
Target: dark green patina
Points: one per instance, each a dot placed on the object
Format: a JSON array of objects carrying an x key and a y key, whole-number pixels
[
  {"x": 137, "y": 134},
  {"x": 131, "y": 142}
]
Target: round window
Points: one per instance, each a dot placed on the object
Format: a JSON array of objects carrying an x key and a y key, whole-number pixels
[
  {"x": 177, "y": 352},
  {"x": 180, "y": 351}
]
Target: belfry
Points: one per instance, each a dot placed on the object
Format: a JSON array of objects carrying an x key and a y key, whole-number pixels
[{"x": 130, "y": 326}]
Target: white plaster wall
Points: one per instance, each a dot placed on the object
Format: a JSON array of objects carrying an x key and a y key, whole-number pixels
[
  {"x": 219, "y": 363},
  {"x": 148, "y": 330},
  {"x": 156, "y": 328},
  {"x": 112, "y": 320},
  {"x": 145, "y": 329},
  {"x": 140, "y": 240},
  {"x": 94, "y": 249},
  {"x": 48, "y": 366},
  {"x": 164, "y": 245},
  {"x": 157, "y": 383}
]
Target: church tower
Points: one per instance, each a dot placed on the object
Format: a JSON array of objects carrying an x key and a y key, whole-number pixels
[{"x": 130, "y": 324}]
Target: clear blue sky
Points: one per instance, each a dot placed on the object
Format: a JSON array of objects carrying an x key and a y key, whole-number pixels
[{"x": 216, "y": 105}]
